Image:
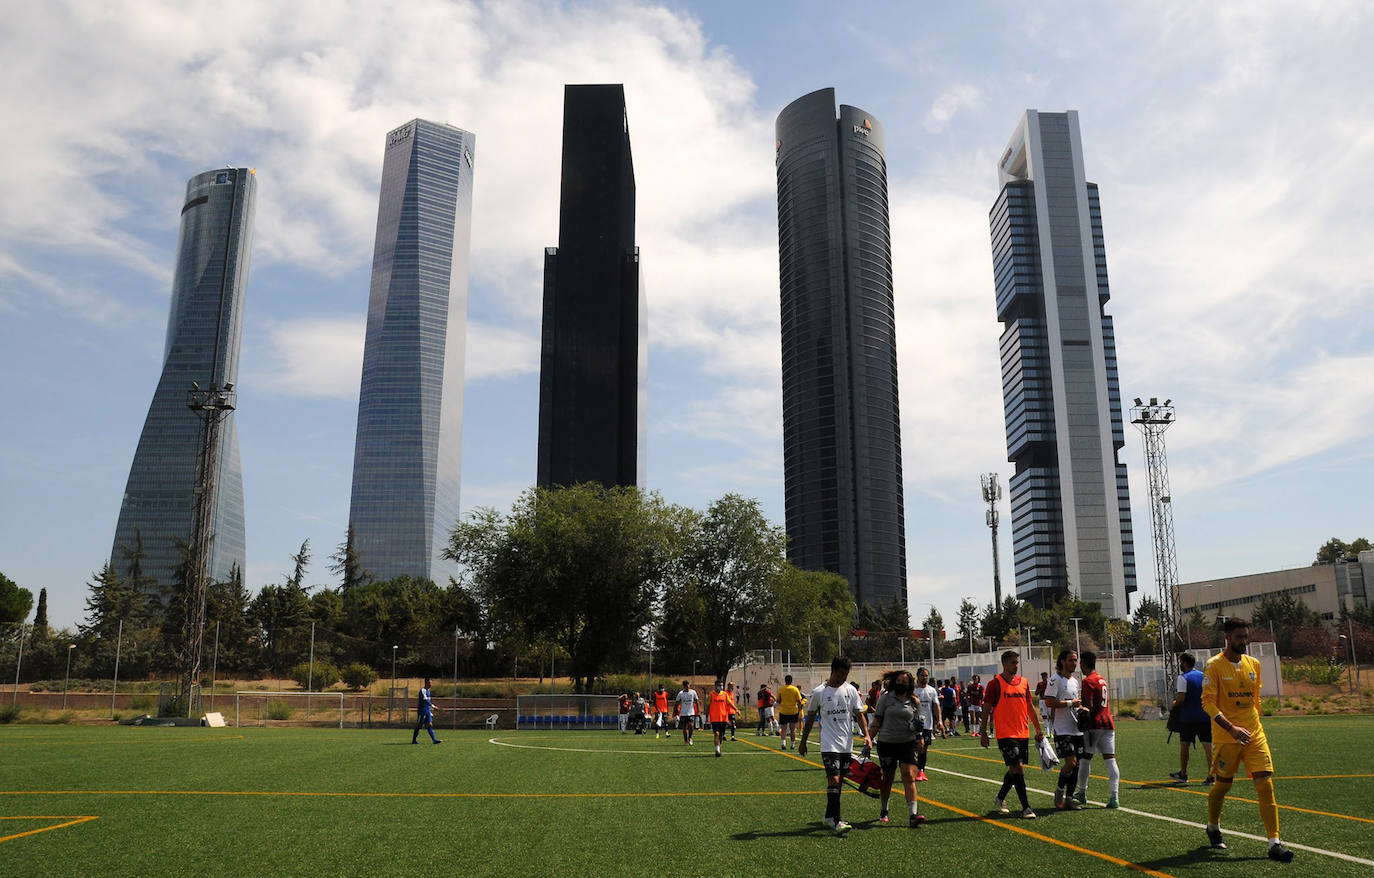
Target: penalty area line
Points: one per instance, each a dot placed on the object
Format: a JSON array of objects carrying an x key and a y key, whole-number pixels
[{"x": 71, "y": 821}]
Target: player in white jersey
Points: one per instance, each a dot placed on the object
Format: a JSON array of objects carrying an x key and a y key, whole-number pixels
[
  {"x": 837, "y": 704},
  {"x": 1062, "y": 695},
  {"x": 929, "y": 699},
  {"x": 687, "y": 711}
]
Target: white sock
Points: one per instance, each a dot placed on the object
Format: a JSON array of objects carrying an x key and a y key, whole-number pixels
[
  {"x": 1085, "y": 770},
  {"x": 1273, "y": 841},
  {"x": 911, "y": 807},
  {"x": 1113, "y": 776}
]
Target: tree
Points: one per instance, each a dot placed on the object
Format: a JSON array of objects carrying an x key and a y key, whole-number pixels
[
  {"x": 277, "y": 614},
  {"x": 40, "y": 616},
  {"x": 968, "y": 619},
  {"x": 15, "y": 602},
  {"x": 133, "y": 558},
  {"x": 1334, "y": 550},
  {"x": 358, "y": 676},
  {"x": 301, "y": 561},
  {"x": 581, "y": 564},
  {"x": 348, "y": 562},
  {"x": 808, "y": 607}
]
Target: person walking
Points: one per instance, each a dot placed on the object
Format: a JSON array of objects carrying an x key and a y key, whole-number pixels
[
  {"x": 660, "y": 711},
  {"x": 424, "y": 714},
  {"x": 837, "y": 704},
  {"x": 1231, "y": 696},
  {"x": 1009, "y": 709},
  {"x": 789, "y": 711},
  {"x": 1100, "y": 735},
  {"x": 1194, "y": 728},
  {"x": 1062, "y": 694},
  {"x": 718, "y": 707},
  {"x": 931, "y": 721},
  {"x": 624, "y": 711},
  {"x": 687, "y": 709},
  {"x": 975, "y": 702},
  {"x": 897, "y": 720},
  {"x": 768, "y": 722}
]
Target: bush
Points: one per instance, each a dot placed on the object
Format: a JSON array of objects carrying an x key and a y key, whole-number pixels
[
  {"x": 325, "y": 674},
  {"x": 1321, "y": 673},
  {"x": 1268, "y": 706},
  {"x": 359, "y": 675},
  {"x": 279, "y": 710},
  {"x": 10, "y": 713},
  {"x": 1128, "y": 709}
]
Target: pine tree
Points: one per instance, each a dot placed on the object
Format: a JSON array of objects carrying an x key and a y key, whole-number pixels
[
  {"x": 40, "y": 616},
  {"x": 348, "y": 564}
]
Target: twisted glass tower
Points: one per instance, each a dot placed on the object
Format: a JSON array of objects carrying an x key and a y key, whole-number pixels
[
  {"x": 202, "y": 346},
  {"x": 842, "y": 438},
  {"x": 407, "y": 456},
  {"x": 1070, "y": 505}
]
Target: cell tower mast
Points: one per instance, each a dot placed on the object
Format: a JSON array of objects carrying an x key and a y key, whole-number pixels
[
  {"x": 1152, "y": 419},
  {"x": 992, "y": 492}
]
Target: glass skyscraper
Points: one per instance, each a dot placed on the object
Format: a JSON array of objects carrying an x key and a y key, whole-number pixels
[
  {"x": 842, "y": 435},
  {"x": 1070, "y": 505},
  {"x": 203, "y": 332},
  {"x": 592, "y": 359},
  {"x": 408, "y": 453}
]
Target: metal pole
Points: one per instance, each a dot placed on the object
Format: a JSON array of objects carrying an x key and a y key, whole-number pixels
[
  {"x": 391, "y": 696},
  {"x": 114, "y": 690},
  {"x": 68, "y": 679},
  {"x": 17, "y": 665},
  {"x": 1077, "y": 642},
  {"x": 901, "y": 642},
  {"x": 455, "y": 676},
  {"x": 932, "y": 650},
  {"x": 309, "y": 674},
  {"x": 1354, "y": 662},
  {"x": 1278, "y": 664},
  {"x": 214, "y": 668}
]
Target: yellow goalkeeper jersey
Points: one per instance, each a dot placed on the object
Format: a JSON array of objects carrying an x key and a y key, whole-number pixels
[
  {"x": 789, "y": 700},
  {"x": 1234, "y": 692}
]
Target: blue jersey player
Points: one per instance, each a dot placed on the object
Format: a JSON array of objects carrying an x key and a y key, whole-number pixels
[{"x": 425, "y": 715}]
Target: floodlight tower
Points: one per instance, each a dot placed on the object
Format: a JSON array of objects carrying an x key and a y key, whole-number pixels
[
  {"x": 1152, "y": 419},
  {"x": 211, "y": 405},
  {"x": 992, "y": 492}
]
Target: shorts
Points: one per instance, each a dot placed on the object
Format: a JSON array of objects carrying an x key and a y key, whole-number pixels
[
  {"x": 836, "y": 763},
  {"x": 891, "y": 753},
  {"x": 1196, "y": 732},
  {"x": 1015, "y": 751},
  {"x": 1101, "y": 741},
  {"x": 766, "y": 713},
  {"x": 1069, "y": 745},
  {"x": 720, "y": 728},
  {"x": 925, "y": 736},
  {"x": 426, "y": 718},
  {"x": 788, "y": 718},
  {"x": 1226, "y": 758}
]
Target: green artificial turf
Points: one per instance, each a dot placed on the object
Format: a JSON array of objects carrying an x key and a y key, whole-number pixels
[{"x": 292, "y": 801}]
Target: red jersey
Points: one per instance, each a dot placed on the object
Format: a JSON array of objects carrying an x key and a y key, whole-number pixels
[
  {"x": 1095, "y": 700},
  {"x": 765, "y": 698},
  {"x": 974, "y": 693}
]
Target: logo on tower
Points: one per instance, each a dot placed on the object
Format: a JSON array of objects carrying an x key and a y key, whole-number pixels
[{"x": 864, "y": 129}]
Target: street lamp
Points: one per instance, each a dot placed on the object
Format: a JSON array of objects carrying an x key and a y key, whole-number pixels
[
  {"x": 393, "y": 666},
  {"x": 930, "y": 631},
  {"x": 72, "y": 646},
  {"x": 1077, "y": 643},
  {"x": 694, "y": 671}
]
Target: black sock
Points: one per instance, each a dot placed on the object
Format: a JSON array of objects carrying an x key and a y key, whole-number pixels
[
  {"x": 921, "y": 761},
  {"x": 1021, "y": 790},
  {"x": 832, "y": 802},
  {"x": 1006, "y": 785},
  {"x": 1067, "y": 777}
]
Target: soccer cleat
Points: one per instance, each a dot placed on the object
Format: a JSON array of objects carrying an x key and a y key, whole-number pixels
[
  {"x": 1000, "y": 806},
  {"x": 1277, "y": 851},
  {"x": 916, "y": 820},
  {"x": 1027, "y": 813},
  {"x": 1214, "y": 839},
  {"x": 841, "y": 827},
  {"x": 921, "y": 775},
  {"x": 1070, "y": 804},
  {"x": 1179, "y": 776},
  {"x": 1113, "y": 802},
  {"x": 882, "y": 817},
  {"x": 1081, "y": 797},
  {"x": 1059, "y": 797},
  {"x": 438, "y": 741},
  {"x": 1211, "y": 779}
]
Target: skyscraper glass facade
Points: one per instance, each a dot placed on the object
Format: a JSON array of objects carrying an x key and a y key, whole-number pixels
[
  {"x": 408, "y": 452},
  {"x": 593, "y": 359},
  {"x": 842, "y": 444},
  {"x": 202, "y": 346},
  {"x": 1070, "y": 503}
]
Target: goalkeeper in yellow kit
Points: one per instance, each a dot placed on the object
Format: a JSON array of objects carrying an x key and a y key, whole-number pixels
[{"x": 1231, "y": 698}]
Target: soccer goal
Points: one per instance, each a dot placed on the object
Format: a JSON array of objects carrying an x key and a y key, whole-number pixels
[
  {"x": 567, "y": 712},
  {"x": 258, "y": 708}
]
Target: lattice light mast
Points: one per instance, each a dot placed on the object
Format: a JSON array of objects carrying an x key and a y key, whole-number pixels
[
  {"x": 212, "y": 405},
  {"x": 992, "y": 492},
  {"x": 1152, "y": 419}
]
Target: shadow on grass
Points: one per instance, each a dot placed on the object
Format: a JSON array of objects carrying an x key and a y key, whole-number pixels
[
  {"x": 808, "y": 830},
  {"x": 1201, "y": 854}
]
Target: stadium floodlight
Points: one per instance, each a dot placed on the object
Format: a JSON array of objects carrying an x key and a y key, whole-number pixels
[{"x": 70, "y": 647}]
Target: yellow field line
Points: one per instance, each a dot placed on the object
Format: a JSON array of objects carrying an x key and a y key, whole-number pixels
[
  {"x": 1165, "y": 785},
  {"x": 39, "y": 742},
  {"x": 337, "y": 795},
  {"x": 1004, "y": 825},
  {"x": 70, "y": 822}
]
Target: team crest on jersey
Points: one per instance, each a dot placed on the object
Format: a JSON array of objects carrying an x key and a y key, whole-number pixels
[{"x": 1252, "y": 676}]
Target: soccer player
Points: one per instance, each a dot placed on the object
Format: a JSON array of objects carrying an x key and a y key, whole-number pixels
[
  {"x": 837, "y": 704},
  {"x": 1062, "y": 695},
  {"x": 734, "y": 708},
  {"x": 1040, "y": 695},
  {"x": 897, "y": 718},
  {"x": 768, "y": 722},
  {"x": 947, "y": 706},
  {"x": 1231, "y": 696},
  {"x": 1194, "y": 726},
  {"x": 1008, "y": 707},
  {"x": 1101, "y": 734},
  {"x": 660, "y": 711},
  {"x": 975, "y": 702},
  {"x": 929, "y": 700},
  {"x": 789, "y": 710},
  {"x": 624, "y": 711},
  {"x": 687, "y": 711},
  {"x": 424, "y": 715},
  {"x": 718, "y": 711}
]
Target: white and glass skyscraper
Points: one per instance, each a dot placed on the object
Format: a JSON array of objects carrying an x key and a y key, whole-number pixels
[
  {"x": 407, "y": 456},
  {"x": 1070, "y": 506},
  {"x": 203, "y": 332}
]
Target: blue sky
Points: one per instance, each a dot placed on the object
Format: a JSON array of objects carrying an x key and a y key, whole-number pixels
[{"x": 1231, "y": 142}]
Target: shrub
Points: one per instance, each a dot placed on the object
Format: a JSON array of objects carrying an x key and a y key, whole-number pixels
[
  {"x": 324, "y": 675},
  {"x": 1268, "y": 706},
  {"x": 142, "y": 703},
  {"x": 279, "y": 710},
  {"x": 359, "y": 675},
  {"x": 10, "y": 713},
  {"x": 1322, "y": 673}
]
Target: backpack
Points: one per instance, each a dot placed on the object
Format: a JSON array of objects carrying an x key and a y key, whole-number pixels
[{"x": 865, "y": 773}]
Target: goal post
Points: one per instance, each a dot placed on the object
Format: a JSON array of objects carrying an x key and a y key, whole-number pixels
[
  {"x": 258, "y": 707},
  {"x": 585, "y": 712}
]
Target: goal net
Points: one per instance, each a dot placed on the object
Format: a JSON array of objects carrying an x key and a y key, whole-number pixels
[
  {"x": 258, "y": 708},
  {"x": 567, "y": 712}
]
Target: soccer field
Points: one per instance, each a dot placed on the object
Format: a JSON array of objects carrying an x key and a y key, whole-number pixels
[{"x": 97, "y": 800}]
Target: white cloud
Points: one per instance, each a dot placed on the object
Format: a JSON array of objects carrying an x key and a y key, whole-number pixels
[
  {"x": 312, "y": 357},
  {"x": 957, "y": 97}
]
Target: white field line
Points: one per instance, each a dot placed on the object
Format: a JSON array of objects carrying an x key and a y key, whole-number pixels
[
  {"x": 1301, "y": 847},
  {"x": 500, "y": 743}
]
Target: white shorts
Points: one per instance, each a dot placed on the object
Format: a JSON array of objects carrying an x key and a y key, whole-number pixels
[
  {"x": 1101, "y": 741},
  {"x": 767, "y": 713}
]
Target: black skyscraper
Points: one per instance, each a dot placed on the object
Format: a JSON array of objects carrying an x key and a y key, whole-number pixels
[
  {"x": 842, "y": 443},
  {"x": 591, "y": 409}
]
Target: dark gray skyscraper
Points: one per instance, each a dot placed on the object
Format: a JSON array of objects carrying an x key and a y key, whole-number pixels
[
  {"x": 842, "y": 435},
  {"x": 1070, "y": 507},
  {"x": 592, "y": 363},
  {"x": 203, "y": 332},
  {"x": 408, "y": 453}
]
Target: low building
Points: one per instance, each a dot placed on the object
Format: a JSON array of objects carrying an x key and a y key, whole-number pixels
[{"x": 1324, "y": 588}]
